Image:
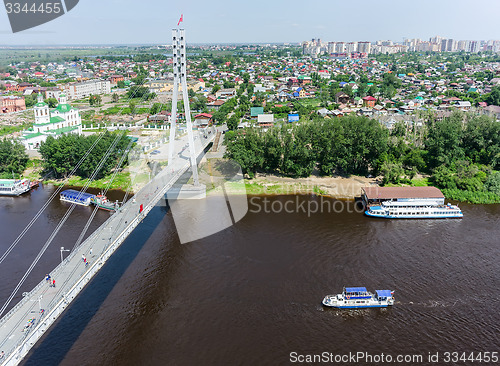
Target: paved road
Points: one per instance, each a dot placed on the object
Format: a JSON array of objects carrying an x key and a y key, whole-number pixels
[{"x": 26, "y": 323}]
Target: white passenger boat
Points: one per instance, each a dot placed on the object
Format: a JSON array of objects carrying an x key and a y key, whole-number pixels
[
  {"x": 14, "y": 187},
  {"x": 414, "y": 209},
  {"x": 359, "y": 297}
]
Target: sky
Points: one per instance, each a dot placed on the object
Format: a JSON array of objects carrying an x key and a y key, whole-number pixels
[{"x": 261, "y": 21}]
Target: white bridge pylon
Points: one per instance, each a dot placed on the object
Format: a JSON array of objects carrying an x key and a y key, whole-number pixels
[{"x": 179, "y": 65}]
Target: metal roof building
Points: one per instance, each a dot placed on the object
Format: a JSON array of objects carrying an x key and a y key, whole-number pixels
[{"x": 401, "y": 194}]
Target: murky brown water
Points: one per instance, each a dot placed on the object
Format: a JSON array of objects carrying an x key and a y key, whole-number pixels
[{"x": 251, "y": 294}]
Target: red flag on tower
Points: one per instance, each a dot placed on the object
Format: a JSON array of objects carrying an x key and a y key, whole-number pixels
[{"x": 180, "y": 20}]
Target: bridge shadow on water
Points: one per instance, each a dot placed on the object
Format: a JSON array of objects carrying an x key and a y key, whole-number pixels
[{"x": 52, "y": 348}]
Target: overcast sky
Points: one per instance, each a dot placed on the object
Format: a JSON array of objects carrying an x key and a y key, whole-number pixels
[{"x": 236, "y": 21}]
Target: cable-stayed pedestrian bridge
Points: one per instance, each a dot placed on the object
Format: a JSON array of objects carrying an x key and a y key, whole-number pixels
[{"x": 32, "y": 317}]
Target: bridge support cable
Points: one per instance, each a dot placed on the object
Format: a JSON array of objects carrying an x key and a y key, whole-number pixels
[{"x": 94, "y": 212}]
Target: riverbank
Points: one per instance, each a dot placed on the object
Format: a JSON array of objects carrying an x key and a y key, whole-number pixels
[
  {"x": 335, "y": 187},
  {"x": 121, "y": 182},
  {"x": 349, "y": 187}
]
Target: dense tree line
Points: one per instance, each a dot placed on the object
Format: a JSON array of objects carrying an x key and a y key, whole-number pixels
[
  {"x": 350, "y": 145},
  {"x": 61, "y": 155},
  {"x": 13, "y": 158}
]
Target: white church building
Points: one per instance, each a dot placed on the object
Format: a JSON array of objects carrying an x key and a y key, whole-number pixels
[{"x": 62, "y": 120}]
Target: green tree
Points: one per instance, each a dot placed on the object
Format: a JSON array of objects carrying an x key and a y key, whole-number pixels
[
  {"x": 444, "y": 177},
  {"x": 391, "y": 172},
  {"x": 481, "y": 140},
  {"x": 232, "y": 123},
  {"x": 228, "y": 84},
  {"x": 215, "y": 88},
  {"x": 30, "y": 100},
  {"x": 52, "y": 102},
  {"x": 492, "y": 184},
  {"x": 131, "y": 106},
  {"x": 155, "y": 108},
  {"x": 372, "y": 90},
  {"x": 95, "y": 100},
  {"x": 494, "y": 96},
  {"x": 246, "y": 148},
  {"x": 13, "y": 158},
  {"x": 139, "y": 92},
  {"x": 348, "y": 90},
  {"x": 199, "y": 103},
  {"x": 115, "y": 97},
  {"x": 62, "y": 154},
  {"x": 443, "y": 142}
]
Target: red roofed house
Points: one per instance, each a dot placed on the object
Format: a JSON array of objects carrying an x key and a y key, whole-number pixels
[
  {"x": 369, "y": 101},
  {"x": 202, "y": 120}
]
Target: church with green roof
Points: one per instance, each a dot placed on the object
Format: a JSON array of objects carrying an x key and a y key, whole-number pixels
[{"x": 59, "y": 121}]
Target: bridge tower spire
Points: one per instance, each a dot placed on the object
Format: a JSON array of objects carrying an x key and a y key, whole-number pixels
[{"x": 179, "y": 64}]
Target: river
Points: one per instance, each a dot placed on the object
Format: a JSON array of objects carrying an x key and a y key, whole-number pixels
[{"x": 251, "y": 294}]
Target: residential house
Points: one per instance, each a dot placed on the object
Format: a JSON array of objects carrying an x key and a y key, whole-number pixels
[
  {"x": 299, "y": 93},
  {"x": 84, "y": 89},
  {"x": 265, "y": 121},
  {"x": 202, "y": 120},
  {"x": 463, "y": 105},
  {"x": 323, "y": 112},
  {"x": 293, "y": 117},
  {"x": 114, "y": 79},
  {"x": 10, "y": 104},
  {"x": 369, "y": 101},
  {"x": 255, "y": 111},
  {"x": 342, "y": 98},
  {"x": 215, "y": 104},
  {"x": 226, "y": 93},
  {"x": 492, "y": 110}
]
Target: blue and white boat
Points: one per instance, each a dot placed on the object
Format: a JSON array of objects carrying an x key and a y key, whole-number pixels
[
  {"x": 80, "y": 198},
  {"x": 359, "y": 297},
  {"x": 414, "y": 209}
]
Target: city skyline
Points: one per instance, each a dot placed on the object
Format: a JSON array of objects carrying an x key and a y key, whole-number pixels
[{"x": 129, "y": 22}]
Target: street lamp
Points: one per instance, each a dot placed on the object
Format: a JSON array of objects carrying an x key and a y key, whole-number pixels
[{"x": 63, "y": 250}]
